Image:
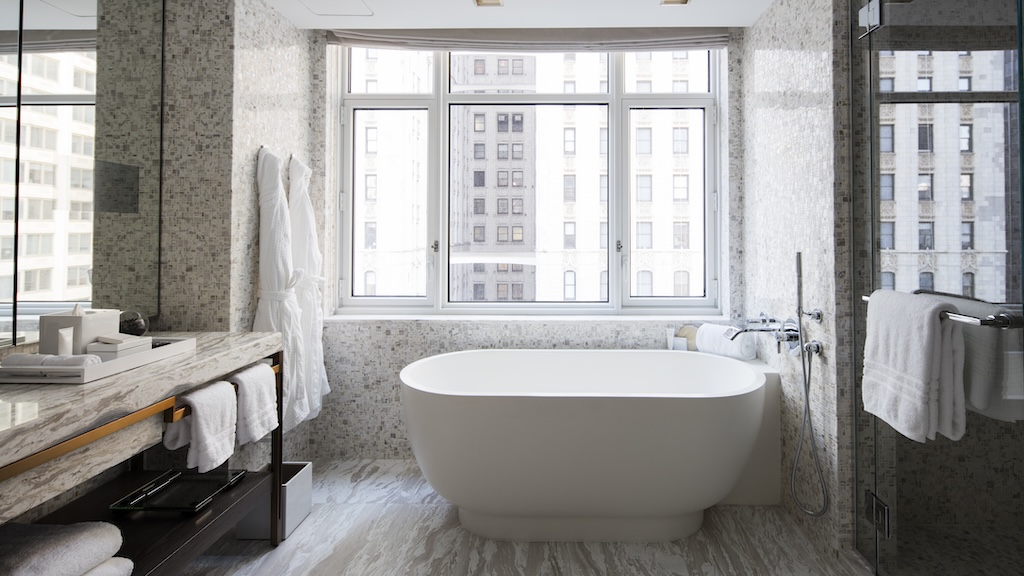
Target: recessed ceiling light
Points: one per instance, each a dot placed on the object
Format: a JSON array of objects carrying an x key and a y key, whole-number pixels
[
  {"x": 483, "y": 3},
  {"x": 674, "y": 2}
]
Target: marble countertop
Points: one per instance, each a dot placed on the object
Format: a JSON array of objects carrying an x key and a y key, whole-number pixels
[{"x": 36, "y": 416}]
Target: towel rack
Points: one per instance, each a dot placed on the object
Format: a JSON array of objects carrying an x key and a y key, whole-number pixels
[
  {"x": 1003, "y": 321},
  {"x": 179, "y": 412}
]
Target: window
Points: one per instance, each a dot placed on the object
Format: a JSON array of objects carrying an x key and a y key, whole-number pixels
[
  {"x": 370, "y": 236},
  {"x": 83, "y": 145},
  {"x": 967, "y": 235},
  {"x": 78, "y": 276},
  {"x": 569, "y": 285},
  {"x": 643, "y": 86},
  {"x": 37, "y": 209},
  {"x": 924, "y": 84},
  {"x": 487, "y": 185},
  {"x": 966, "y": 132},
  {"x": 38, "y": 173},
  {"x": 80, "y": 211},
  {"x": 886, "y": 186},
  {"x": 643, "y": 235},
  {"x": 681, "y": 283},
  {"x": 887, "y": 236},
  {"x": 926, "y": 281},
  {"x": 643, "y": 140},
  {"x": 680, "y": 140},
  {"x": 370, "y": 187},
  {"x": 370, "y": 283},
  {"x": 885, "y": 138},
  {"x": 924, "y": 187},
  {"x": 39, "y": 137},
  {"x": 81, "y": 178},
  {"x": 967, "y": 284},
  {"x": 36, "y": 280},
  {"x": 479, "y": 267},
  {"x": 885, "y": 84},
  {"x": 643, "y": 188},
  {"x": 964, "y": 84},
  {"x": 42, "y": 244},
  {"x": 681, "y": 235},
  {"x": 967, "y": 186},
  {"x": 84, "y": 80},
  {"x": 888, "y": 280},
  {"x": 925, "y": 140},
  {"x": 925, "y": 235},
  {"x": 371, "y": 141},
  {"x": 43, "y": 67}
]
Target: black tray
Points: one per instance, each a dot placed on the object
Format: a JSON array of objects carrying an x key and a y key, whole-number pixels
[{"x": 177, "y": 491}]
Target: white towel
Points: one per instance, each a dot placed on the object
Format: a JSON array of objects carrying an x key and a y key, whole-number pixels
[
  {"x": 713, "y": 339},
  {"x": 56, "y": 549},
  {"x": 913, "y": 366},
  {"x": 210, "y": 430},
  {"x": 115, "y": 566},
  {"x": 257, "y": 402},
  {"x": 20, "y": 359}
]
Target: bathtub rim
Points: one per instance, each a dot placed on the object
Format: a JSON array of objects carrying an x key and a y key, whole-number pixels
[{"x": 757, "y": 375}]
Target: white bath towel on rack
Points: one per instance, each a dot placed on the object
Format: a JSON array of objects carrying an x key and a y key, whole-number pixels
[
  {"x": 913, "y": 366},
  {"x": 257, "y": 402},
  {"x": 210, "y": 430}
]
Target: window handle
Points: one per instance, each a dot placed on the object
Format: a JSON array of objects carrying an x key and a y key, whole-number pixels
[
  {"x": 618, "y": 245},
  {"x": 435, "y": 246}
]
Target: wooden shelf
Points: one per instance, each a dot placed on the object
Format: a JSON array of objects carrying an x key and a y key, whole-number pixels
[{"x": 162, "y": 542}]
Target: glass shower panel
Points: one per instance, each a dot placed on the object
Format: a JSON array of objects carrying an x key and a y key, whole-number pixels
[{"x": 938, "y": 194}]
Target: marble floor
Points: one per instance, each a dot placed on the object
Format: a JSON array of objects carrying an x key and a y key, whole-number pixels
[{"x": 381, "y": 518}]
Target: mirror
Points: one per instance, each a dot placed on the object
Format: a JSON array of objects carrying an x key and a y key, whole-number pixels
[{"x": 80, "y": 195}]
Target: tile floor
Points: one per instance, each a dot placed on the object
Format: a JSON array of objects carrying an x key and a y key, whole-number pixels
[{"x": 380, "y": 517}]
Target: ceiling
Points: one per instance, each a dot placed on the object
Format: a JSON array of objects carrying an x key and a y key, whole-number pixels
[{"x": 351, "y": 14}]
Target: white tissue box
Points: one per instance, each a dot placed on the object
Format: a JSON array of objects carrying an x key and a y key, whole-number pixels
[
  {"x": 296, "y": 503},
  {"x": 88, "y": 327}
]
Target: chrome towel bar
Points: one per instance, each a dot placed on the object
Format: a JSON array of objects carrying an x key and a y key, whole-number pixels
[{"x": 1003, "y": 321}]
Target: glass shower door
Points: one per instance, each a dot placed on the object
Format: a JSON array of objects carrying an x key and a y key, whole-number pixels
[{"x": 940, "y": 200}]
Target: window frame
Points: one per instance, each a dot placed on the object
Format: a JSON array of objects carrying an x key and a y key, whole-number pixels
[{"x": 437, "y": 105}]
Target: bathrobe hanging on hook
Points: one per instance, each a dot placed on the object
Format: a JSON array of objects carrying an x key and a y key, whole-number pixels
[{"x": 278, "y": 309}]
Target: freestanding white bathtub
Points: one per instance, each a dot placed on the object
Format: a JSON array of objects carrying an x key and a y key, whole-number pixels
[{"x": 577, "y": 445}]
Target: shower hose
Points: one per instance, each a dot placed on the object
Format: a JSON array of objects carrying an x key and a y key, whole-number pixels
[{"x": 807, "y": 351}]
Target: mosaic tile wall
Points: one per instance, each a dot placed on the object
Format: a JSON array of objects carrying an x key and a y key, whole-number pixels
[
  {"x": 791, "y": 90},
  {"x": 126, "y": 236}
]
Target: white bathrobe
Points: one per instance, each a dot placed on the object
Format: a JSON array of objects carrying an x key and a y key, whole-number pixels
[
  {"x": 306, "y": 257},
  {"x": 278, "y": 309}
]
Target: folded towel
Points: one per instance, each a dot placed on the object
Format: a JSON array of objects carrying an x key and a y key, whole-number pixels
[
  {"x": 80, "y": 360},
  {"x": 21, "y": 359},
  {"x": 257, "y": 402},
  {"x": 714, "y": 339},
  {"x": 56, "y": 549},
  {"x": 115, "y": 566},
  {"x": 210, "y": 430},
  {"x": 913, "y": 366}
]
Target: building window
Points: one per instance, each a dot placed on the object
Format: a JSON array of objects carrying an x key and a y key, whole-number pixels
[
  {"x": 680, "y": 140},
  {"x": 81, "y": 178},
  {"x": 926, "y": 281},
  {"x": 517, "y": 151},
  {"x": 967, "y": 281},
  {"x": 569, "y": 188},
  {"x": 966, "y": 132},
  {"x": 479, "y": 234},
  {"x": 42, "y": 244},
  {"x": 886, "y": 186},
  {"x": 77, "y": 244},
  {"x": 967, "y": 186},
  {"x": 479, "y": 292},
  {"x": 83, "y": 145},
  {"x": 370, "y": 283},
  {"x": 885, "y": 138},
  {"x": 370, "y": 187},
  {"x": 967, "y": 235},
  {"x": 603, "y": 279},
  {"x": 517, "y": 122},
  {"x": 569, "y": 87},
  {"x": 517, "y": 291},
  {"x": 603, "y": 235},
  {"x": 502, "y": 178},
  {"x": 603, "y": 187},
  {"x": 479, "y": 66},
  {"x": 681, "y": 235},
  {"x": 643, "y": 140},
  {"x": 680, "y": 86},
  {"x": 888, "y": 280},
  {"x": 479, "y": 267},
  {"x": 502, "y": 287},
  {"x": 502, "y": 122},
  {"x": 502, "y": 233},
  {"x": 925, "y": 235},
  {"x": 925, "y": 138},
  {"x": 887, "y": 236},
  {"x": 681, "y": 283},
  {"x": 37, "y": 280},
  {"x": 644, "y": 238},
  {"x": 517, "y": 205},
  {"x": 569, "y": 285},
  {"x": 886, "y": 84},
  {"x": 517, "y": 234},
  {"x": 645, "y": 283},
  {"x": 78, "y": 276},
  {"x": 643, "y": 188},
  {"x": 680, "y": 187},
  {"x": 479, "y": 151},
  {"x": 517, "y": 66},
  {"x": 502, "y": 205},
  {"x": 479, "y": 178},
  {"x": 503, "y": 71},
  {"x": 517, "y": 178},
  {"x": 569, "y": 141},
  {"x": 924, "y": 187},
  {"x": 370, "y": 236},
  {"x": 964, "y": 84},
  {"x": 371, "y": 140},
  {"x": 503, "y": 151},
  {"x": 603, "y": 140},
  {"x": 480, "y": 205},
  {"x": 569, "y": 236},
  {"x": 480, "y": 122},
  {"x": 924, "y": 84}
]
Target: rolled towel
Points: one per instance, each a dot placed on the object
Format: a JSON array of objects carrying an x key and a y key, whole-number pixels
[
  {"x": 22, "y": 359},
  {"x": 77, "y": 360},
  {"x": 713, "y": 339},
  {"x": 257, "y": 402},
  {"x": 56, "y": 549},
  {"x": 210, "y": 429},
  {"x": 115, "y": 566}
]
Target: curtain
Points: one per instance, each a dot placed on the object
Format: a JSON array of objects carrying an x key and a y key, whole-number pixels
[{"x": 538, "y": 39}]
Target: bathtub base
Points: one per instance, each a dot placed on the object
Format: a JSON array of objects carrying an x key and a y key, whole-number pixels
[{"x": 548, "y": 529}]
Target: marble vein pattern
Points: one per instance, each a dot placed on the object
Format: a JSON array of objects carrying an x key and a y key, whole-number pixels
[{"x": 380, "y": 517}]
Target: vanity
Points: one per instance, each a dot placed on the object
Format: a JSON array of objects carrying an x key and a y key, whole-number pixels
[{"x": 54, "y": 437}]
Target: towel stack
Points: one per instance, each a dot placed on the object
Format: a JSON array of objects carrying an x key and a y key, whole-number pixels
[
  {"x": 714, "y": 339},
  {"x": 82, "y": 549},
  {"x": 220, "y": 418},
  {"x": 914, "y": 365}
]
